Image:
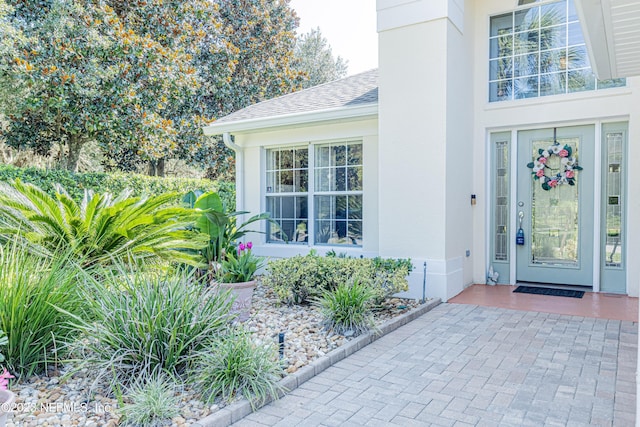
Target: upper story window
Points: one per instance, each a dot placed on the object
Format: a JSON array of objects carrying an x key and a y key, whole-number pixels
[
  {"x": 539, "y": 51},
  {"x": 315, "y": 194}
]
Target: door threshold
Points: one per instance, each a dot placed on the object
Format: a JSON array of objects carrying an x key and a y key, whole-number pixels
[{"x": 556, "y": 286}]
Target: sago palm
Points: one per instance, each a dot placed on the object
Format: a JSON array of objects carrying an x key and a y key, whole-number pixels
[{"x": 100, "y": 228}]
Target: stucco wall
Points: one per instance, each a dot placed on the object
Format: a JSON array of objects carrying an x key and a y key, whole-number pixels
[
  {"x": 594, "y": 107},
  {"x": 426, "y": 125},
  {"x": 253, "y": 198}
]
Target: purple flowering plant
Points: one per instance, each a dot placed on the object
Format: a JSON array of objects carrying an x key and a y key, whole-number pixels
[{"x": 239, "y": 266}]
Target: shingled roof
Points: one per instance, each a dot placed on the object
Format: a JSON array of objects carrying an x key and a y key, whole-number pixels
[{"x": 353, "y": 91}]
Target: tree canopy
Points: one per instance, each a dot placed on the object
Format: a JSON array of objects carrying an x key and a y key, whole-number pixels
[
  {"x": 313, "y": 57},
  {"x": 142, "y": 78}
]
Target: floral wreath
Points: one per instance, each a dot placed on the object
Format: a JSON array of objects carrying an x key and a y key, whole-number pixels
[{"x": 568, "y": 162}]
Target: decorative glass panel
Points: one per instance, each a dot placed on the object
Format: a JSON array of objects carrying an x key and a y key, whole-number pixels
[
  {"x": 614, "y": 199},
  {"x": 501, "y": 201},
  {"x": 555, "y": 214},
  {"x": 541, "y": 40}
]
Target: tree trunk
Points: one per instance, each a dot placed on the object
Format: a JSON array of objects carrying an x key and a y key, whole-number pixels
[
  {"x": 156, "y": 167},
  {"x": 73, "y": 154},
  {"x": 160, "y": 168}
]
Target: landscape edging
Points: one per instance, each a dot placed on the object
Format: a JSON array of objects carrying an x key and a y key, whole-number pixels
[{"x": 240, "y": 409}]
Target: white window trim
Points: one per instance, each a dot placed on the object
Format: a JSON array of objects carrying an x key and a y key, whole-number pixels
[{"x": 311, "y": 193}]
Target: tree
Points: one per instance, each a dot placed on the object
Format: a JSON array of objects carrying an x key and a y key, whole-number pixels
[
  {"x": 241, "y": 51},
  {"x": 8, "y": 49},
  {"x": 90, "y": 77},
  {"x": 143, "y": 78},
  {"x": 261, "y": 34},
  {"x": 195, "y": 30},
  {"x": 314, "y": 57}
]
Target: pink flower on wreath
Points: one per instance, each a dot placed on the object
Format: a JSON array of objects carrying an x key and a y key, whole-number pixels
[
  {"x": 569, "y": 174},
  {"x": 249, "y": 245},
  {"x": 542, "y": 160},
  {"x": 4, "y": 379},
  {"x": 553, "y": 183},
  {"x": 540, "y": 173},
  {"x": 241, "y": 247},
  {"x": 563, "y": 153}
]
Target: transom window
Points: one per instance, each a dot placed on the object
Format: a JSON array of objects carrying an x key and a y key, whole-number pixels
[
  {"x": 326, "y": 180},
  {"x": 539, "y": 51}
]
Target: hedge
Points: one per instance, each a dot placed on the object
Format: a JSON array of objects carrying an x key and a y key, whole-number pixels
[
  {"x": 303, "y": 279},
  {"x": 99, "y": 182}
]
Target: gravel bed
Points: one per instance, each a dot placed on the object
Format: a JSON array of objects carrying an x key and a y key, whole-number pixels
[{"x": 76, "y": 401}]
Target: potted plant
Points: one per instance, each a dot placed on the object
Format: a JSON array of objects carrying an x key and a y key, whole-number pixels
[
  {"x": 236, "y": 274},
  {"x": 229, "y": 264}
]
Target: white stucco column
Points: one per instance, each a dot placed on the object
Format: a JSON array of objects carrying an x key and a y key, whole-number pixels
[{"x": 425, "y": 140}]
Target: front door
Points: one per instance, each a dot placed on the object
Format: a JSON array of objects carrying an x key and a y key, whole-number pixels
[{"x": 555, "y": 202}]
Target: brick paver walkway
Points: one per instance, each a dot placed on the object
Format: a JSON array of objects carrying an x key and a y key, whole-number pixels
[{"x": 464, "y": 365}]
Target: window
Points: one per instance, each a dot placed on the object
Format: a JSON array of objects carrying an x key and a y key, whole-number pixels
[
  {"x": 539, "y": 51},
  {"x": 613, "y": 188},
  {"x": 338, "y": 196},
  {"x": 287, "y": 190},
  {"x": 325, "y": 179}
]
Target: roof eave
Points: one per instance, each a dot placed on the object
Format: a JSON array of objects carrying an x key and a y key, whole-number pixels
[
  {"x": 592, "y": 18},
  {"x": 309, "y": 117},
  {"x": 612, "y": 34}
]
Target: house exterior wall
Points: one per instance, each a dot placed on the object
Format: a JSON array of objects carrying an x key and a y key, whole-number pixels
[
  {"x": 427, "y": 151},
  {"x": 593, "y": 107},
  {"x": 434, "y": 104},
  {"x": 426, "y": 142},
  {"x": 253, "y": 196}
]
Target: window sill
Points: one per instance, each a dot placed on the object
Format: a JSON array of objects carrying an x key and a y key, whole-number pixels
[
  {"x": 568, "y": 97},
  {"x": 283, "y": 250}
]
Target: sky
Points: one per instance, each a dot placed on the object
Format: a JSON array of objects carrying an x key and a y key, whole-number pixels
[{"x": 348, "y": 25}]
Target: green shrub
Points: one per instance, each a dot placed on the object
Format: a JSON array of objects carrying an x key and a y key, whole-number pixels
[
  {"x": 301, "y": 279},
  {"x": 347, "y": 309},
  {"x": 114, "y": 183},
  {"x": 151, "y": 402},
  {"x": 3, "y": 342},
  {"x": 101, "y": 227},
  {"x": 147, "y": 322},
  {"x": 233, "y": 365},
  {"x": 38, "y": 297}
]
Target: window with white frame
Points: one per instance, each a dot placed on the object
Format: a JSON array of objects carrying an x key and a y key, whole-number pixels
[
  {"x": 538, "y": 51},
  {"x": 325, "y": 180},
  {"x": 287, "y": 193}
]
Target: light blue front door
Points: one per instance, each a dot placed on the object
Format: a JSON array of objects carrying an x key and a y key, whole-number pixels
[{"x": 557, "y": 208}]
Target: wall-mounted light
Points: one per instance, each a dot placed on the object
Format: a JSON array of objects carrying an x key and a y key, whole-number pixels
[{"x": 473, "y": 200}]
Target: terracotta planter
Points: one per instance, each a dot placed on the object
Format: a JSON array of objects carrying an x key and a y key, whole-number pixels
[
  {"x": 7, "y": 399},
  {"x": 242, "y": 292}
]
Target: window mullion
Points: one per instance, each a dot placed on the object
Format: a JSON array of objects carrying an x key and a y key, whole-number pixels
[{"x": 311, "y": 188}]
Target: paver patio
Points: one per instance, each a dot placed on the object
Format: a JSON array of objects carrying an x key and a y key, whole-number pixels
[{"x": 465, "y": 365}]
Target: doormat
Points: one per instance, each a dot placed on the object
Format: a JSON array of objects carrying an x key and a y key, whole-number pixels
[{"x": 549, "y": 291}]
